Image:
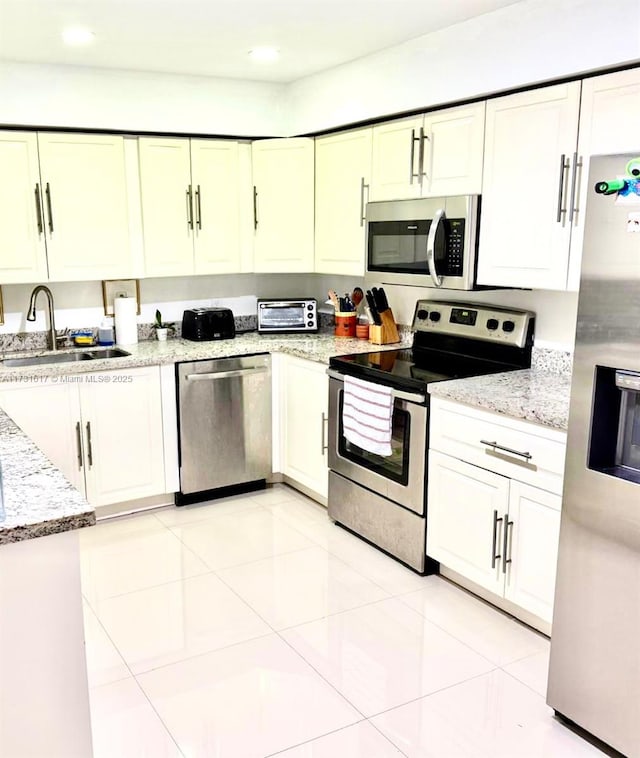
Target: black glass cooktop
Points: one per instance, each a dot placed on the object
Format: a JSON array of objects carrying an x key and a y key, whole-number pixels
[{"x": 409, "y": 369}]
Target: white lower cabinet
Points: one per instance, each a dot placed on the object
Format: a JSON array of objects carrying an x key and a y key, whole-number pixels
[
  {"x": 304, "y": 407},
  {"x": 104, "y": 431},
  {"x": 464, "y": 501},
  {"x": 500, "y": 534},
  {"x": 486, "y": 525}
]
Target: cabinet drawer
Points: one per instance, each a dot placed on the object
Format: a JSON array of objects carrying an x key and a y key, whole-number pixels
[{"x": 525, "y": 452}]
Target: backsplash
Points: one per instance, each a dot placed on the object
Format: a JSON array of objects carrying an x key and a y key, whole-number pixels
[
  {"x": 552, "y": 361},
  {"x": 22, "y": 341}
]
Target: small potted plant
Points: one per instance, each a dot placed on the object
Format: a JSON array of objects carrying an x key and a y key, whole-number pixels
[{"x": 162, "y": 329}]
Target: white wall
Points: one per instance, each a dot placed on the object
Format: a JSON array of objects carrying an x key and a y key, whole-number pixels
[
  {"x": 80, "y": 304},
  {"x": 528, "y": 42},
  {"x": 71, "y": 96}
]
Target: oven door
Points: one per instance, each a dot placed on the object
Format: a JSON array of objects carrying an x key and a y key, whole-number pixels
[{"x": 400, "y": 477}]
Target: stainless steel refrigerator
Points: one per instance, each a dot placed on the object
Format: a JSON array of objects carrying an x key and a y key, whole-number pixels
[{"x": 594, "y": 675}]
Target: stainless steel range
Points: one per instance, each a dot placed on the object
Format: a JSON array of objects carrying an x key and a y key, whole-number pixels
[{"x": 383, "y": 498}]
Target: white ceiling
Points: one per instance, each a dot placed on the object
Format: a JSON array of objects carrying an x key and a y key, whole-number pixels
[{"x": 212, "y": 37}]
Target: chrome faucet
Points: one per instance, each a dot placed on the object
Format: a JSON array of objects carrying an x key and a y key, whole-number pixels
[{"x": 31, "y": 313}]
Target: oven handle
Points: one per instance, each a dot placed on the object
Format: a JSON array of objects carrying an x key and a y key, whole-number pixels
[
  {"x": 431, "y": 246},
  {"x": 409, "y": 397}
]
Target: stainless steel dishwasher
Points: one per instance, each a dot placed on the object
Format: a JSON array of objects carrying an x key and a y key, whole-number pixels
[{"x": 224, "y": 419}]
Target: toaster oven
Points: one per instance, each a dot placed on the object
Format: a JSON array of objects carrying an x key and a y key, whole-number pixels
[{"x": 287, "y": 316}]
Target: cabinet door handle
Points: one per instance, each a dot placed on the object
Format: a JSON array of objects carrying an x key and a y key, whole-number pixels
[
  {"x": 189, "y": 195},
  {"x": 494, "y": 543},
  {"x": 494, "y": 445},
  {"x": 577, "y": 164},
  {"x": 39, "y": 218},
  {"x": 198, "y": 208},
  {"x": 255, "y": 207},
  {"x": 564, "y": 165},
  {"x": 363, "y": 186},
  {"x": 89, "y": 446},
  {"x": 323, "y": 443},
  {"x": 47, "y": 193},
  {"x": 421, "y": 172},
  {"x": 505, "y": 543},
  {"x": 412, "y": 155},
  {"x": 79, "y": 443}
]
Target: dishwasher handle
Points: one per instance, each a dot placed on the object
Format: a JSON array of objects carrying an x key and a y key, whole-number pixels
[{"x": 227, "y": 374}]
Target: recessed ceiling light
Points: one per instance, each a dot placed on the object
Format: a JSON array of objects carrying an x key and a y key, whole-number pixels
[
  {"x": 77, "y": 36},
  {"x": 264, "y": 54}
]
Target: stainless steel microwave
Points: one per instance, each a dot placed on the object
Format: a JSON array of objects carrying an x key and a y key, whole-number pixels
[
  {"x": 282, "y": 316},
  {"x": 429, "y": 242}
]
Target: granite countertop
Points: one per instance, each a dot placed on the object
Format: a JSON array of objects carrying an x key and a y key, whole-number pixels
[
  {"x": 531, "y": 395},
  {"x": 38, "y": 499},
  {"x": 318, "y": 347}
]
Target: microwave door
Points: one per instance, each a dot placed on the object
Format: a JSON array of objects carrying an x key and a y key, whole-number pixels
[{"x": 397, "y": 247}]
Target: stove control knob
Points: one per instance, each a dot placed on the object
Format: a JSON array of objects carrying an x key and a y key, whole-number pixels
[
  {"x": 493, "y": 324},
  {"x": 422, "y": 314},
  {"x": 434, "y": 316},
  {"x": 508, "y": 326}
]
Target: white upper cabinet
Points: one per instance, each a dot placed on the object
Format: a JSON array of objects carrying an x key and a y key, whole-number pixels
[
  {"x": 23, "y": 255},
  {"x": 609, "y": 123},
  {"x": 85, "y": 206},
  {"x": 215, "y": 170},
  {"x": 453, "y": 151},
  {"x": 190, "y": 192},
  {"x": 167, "y": 206},
  {"x": 283, "y": 205},
  {"x": 343, "y": 170},
  {"x": 525, "y": 225},
  {"x": 426, "y": 156},
  {"x": 395, "y": 165}
]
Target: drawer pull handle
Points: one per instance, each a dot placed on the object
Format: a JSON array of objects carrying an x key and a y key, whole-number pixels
[
  {"x": 494, "y": 556},
  {"x": 511, "y": 451}
]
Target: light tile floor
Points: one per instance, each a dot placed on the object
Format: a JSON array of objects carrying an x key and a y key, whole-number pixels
[{"x": 252, "y": 626}]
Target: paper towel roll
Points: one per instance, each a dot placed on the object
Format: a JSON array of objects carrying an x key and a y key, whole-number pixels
[{"x": 126, "y": 322}]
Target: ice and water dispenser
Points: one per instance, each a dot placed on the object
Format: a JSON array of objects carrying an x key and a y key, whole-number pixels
[{"x": 615, "y": 425}]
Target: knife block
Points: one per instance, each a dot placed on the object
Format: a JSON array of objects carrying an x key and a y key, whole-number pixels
[{"x": 387, "y": 332}]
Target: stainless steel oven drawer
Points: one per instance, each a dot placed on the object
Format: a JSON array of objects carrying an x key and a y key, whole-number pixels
[{"x": 395, "y": 530}]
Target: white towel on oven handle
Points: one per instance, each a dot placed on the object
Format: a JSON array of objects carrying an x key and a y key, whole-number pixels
[{"x": 367, "y": 412}]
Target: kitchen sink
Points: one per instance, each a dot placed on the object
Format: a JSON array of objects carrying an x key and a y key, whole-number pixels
[
  {"x": 109, "y": 352},
  {"x": 49, "y": 358}
]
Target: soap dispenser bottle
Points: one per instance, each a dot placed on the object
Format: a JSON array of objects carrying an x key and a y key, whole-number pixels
[{"x": 105, "y": 332}]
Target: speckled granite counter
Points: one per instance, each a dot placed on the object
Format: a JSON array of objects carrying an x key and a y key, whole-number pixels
[
  {"x": 319, "y": 348},
  {"x": 38, "y": 499},
  {"x": 530, "y": 395}
]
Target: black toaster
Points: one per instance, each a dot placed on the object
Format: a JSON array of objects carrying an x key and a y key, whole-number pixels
[{"x": 204, "y": 324}]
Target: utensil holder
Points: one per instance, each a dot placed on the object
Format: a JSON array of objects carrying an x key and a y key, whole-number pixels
[
  {"x": 345, "y": 324},
  {"x": 387, "y": 332}
]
